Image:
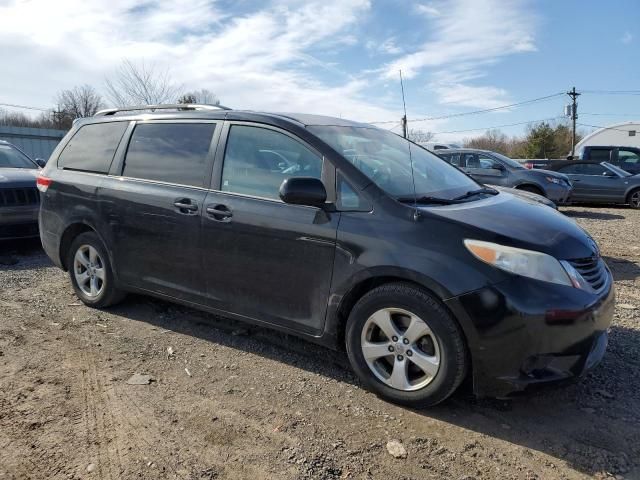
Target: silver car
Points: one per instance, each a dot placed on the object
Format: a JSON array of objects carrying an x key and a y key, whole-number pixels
[{"x": 493, "y": 168}]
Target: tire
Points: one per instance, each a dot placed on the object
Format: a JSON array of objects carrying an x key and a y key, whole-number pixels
[
  {"x": 531, "y": 189},
  {"x": 633, "y": 198},
  {"x": 443, "y": 344},
  {"x": 88, "y": 259}
]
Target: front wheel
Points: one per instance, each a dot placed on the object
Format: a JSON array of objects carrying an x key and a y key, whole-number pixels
[
  {"x": 405, "y": 346},
  {"x": 91, "y": 273}
]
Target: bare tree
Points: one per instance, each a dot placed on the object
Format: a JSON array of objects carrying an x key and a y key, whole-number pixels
[
  {"x": 419, "y": 136},
  {"x": 202, "y": 96},
  {"x": 141, "y": 84},
  {"x": 79, "y": 102}
]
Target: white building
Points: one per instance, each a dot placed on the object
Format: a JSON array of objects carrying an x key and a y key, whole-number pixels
[{"x": 625, "y": 134}]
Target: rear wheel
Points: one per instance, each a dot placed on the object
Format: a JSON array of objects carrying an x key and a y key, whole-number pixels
[
  {"x": 90, "y": 271},
  {"x": 634, "y": 199},
  {"x": 405, "y": 346}
]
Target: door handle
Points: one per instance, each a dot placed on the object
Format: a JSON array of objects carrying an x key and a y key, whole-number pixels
[
  {"x": 185, "y": 205},
  {"x": 220, "y": 213}
]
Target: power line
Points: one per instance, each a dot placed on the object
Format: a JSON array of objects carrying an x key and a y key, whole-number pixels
[
  {"x": 604, "y": 128},
  {"x": 613, "y": 92},
  {"x": 614, "y": 114},
  {"x": 477, "y": 112},
  {"x": 500, "y": 126},
  {"x": 23, "y": 106}
]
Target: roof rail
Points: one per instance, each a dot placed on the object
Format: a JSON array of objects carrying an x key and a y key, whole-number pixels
[{"x": 179, "y": 106}]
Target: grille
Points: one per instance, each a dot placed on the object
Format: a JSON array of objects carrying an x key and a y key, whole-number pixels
[
  {"x": 16, "y": 197},
  {"x": 592, "y": 270}
]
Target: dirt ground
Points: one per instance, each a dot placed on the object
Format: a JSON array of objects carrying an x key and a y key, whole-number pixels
[{"x": 234, "y": 402}]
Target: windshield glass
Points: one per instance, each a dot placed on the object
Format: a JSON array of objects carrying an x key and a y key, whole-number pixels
[
  {"x": 619, "y": 171},
  {"x": 384, "y": 157},
  {"x": 509, "y": 161},
  {"x": 13, "y": 158}
]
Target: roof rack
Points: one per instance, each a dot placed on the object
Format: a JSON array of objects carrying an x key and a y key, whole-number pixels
[{"x": 179, "y": 106}]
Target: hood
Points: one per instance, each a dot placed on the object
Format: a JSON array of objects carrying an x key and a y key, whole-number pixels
[
  {"x": 511, "y": 221},
  {"x": 18, "y": 177},
  {"x": 525, "y": 195}
]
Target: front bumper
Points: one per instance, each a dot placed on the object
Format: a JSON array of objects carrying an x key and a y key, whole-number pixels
[
  {"x": 559, "y": 194},
  {"x": 522, "y": 333},
  {"x": 19, "y": 222}
]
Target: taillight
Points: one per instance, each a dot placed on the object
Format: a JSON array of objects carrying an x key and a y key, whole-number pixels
[
  {"x": 43, "y": 183},
  {"x": 528, "y": 165}
]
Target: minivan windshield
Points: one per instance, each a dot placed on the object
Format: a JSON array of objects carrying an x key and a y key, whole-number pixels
[
  {"x": 384, "y": 157},
  {"x": 13, "y": 158},
  {"x": 509, "y": 161}
]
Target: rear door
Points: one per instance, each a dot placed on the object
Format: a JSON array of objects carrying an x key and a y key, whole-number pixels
[
  {"x": 593, "y": 182},
  {"x": 262, "y": 258},
  {"x": 155, "y": 202}
]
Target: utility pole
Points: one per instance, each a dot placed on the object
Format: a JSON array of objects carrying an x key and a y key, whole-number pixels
[{"x": 574, "y": 116}]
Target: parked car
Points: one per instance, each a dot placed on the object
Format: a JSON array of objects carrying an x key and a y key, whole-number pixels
[
  {"x": 19, "y": 198},
  {"x": 496, "y": 169},
  {"x": 422, "y": 274},
  {"x": 600, "y": 182},
  {"x": 626, "y": 158}
]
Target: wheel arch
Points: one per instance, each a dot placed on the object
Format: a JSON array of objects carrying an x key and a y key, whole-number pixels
[{"x": 70, "y": 233}]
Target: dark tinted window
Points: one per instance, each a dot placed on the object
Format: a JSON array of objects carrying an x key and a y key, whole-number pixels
[
  {"x": 13, "y": 158},
  {"x": 583, "y": 169},
  {"x": 600, "y": 154},
  {"x": 169, "y": 152},
  {"x": 92, "y": 147},
  {"x": 257, "y": 160}
]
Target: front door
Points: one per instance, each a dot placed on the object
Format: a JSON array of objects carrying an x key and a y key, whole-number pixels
[
  {"x": 262, "y": 258},
  {"x": 485, "y": 169},
  {"x": 593, "y": 182},
  {"x": 155, "y": 207}
]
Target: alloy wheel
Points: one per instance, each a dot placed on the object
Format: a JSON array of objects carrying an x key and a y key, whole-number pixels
[
  {"x": 635, "y": 199},
  {"x": 400, "y": 349},
  {"x": 89, "y": 271}
]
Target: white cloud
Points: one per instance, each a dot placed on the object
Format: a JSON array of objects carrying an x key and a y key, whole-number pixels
[
  {"x": 428, "y": 9},
  {"x": 465, "y": 36},
  {"x": 263, "y": 60},
  {"x": 626, "y": 38}
]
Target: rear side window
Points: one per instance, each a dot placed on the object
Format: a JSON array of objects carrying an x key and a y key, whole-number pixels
[
  {"x": 169, "y": 152},
  {"x": 92, "y": 147}
]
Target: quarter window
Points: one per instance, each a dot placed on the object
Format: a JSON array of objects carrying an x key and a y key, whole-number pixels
[
  {"x": 257, "y": 160},
  {"x": 169, "y": 152},
  {"x": 92, "y": 147}
]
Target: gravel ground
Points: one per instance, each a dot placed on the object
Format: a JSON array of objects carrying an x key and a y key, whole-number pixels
[{"x": 232, "y": 402}]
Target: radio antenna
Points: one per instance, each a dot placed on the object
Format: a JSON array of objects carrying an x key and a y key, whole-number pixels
[{"x": 405, "y": 133}]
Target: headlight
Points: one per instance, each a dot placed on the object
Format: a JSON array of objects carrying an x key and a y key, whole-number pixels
[
  {"x": 557, "y": 181},
  {"x": 527, "y": 263}
]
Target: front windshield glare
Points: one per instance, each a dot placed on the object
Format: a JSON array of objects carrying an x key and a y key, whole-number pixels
[
  {"x": 12, "y": 158},
  {"x": 384, "y": 157}
]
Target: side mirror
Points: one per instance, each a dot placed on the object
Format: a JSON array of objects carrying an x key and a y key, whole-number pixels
[
  {"x": 303, "y": 191},
  {"x": 499, "y": 166},
  {"x": 40, "y": 162}
]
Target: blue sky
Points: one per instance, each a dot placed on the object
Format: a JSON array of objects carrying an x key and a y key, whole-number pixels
[{"x": 341, "y": 57}]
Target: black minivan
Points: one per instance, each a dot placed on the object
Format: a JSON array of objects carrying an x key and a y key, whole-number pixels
[{"x": 332, "y": 230}]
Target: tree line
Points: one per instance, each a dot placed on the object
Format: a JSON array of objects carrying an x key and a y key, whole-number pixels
[{"x": 131, "y": 84}]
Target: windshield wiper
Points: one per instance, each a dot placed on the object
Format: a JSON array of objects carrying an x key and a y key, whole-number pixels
[
  {"x": 438, "y": 200},
  {"x": 480, "y": 191}
]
